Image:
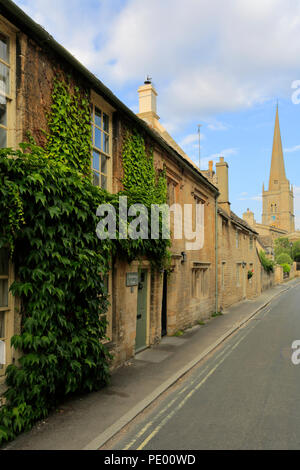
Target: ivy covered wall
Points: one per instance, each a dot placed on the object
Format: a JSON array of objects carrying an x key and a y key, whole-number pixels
[{"x": 48, "y": 220}]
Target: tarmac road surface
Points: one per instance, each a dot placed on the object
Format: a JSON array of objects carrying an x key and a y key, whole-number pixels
[{"x": 245, "y": 396}]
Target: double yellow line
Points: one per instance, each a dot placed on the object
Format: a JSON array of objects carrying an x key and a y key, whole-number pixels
[{"x": 224, "y": 355}]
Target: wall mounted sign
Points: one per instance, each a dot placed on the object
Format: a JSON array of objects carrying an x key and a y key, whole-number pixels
[{"x": 132, "y": 279}]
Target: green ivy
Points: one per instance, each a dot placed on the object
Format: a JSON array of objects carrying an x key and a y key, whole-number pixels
[
  {"x": 69, "y": 140},
  {"x": 60, "y": 265},
  {"x": 140, "y": 179},
  {"x": 267, "y": 264},
  {"x": 48, "y": 221}
]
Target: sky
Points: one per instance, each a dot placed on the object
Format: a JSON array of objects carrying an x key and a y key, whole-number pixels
[{"x": 222, "y": 64}]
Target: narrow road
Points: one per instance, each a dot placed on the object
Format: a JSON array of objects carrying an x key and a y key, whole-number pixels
[{"x": 245, "y": 396}]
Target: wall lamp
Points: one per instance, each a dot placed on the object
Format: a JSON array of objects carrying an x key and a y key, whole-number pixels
[{"x": 183, "y": 254}]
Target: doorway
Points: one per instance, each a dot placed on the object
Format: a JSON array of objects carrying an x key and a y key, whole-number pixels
[
  {"x": 141, "y": 319},
  {"x": 164, "y": 305}
]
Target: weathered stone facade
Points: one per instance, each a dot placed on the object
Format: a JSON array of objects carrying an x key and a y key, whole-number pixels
[{"x": 201, "y": 280}]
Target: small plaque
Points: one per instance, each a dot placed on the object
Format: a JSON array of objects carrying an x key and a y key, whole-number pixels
[{"x": 132, "y": 279}]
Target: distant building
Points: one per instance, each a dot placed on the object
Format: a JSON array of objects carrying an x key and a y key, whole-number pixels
[{"x": 278, "y": 218}]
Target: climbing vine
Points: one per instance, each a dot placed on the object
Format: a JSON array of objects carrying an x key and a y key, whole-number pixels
[
  {"x": 69, "y": 139},
  {"x": 48, "y": 220}
]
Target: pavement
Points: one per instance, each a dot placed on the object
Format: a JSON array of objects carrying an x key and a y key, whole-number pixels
[{"x": 88, "y": 422}]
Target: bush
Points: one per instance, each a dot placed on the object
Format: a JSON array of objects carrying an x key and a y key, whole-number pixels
[
  {"x": 296, "y": 251},
  {"x": 286, "y": 268},
  {"x": 267, "y": 264},
  {"x": 284, "y": 258}
]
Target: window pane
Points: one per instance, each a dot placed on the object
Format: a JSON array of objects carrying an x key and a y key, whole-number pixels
[
  {"x": 3, "y": 138},
  {"x": 96, "y": 161},
  {"x": 96, "y": 179},
  {"x": 103, "y": 182},
  {"x": 97, "y": 117},
  {"x": 2, "y": 324},
  {"x": 98, "y": 138},
  {"x": 3, "y": 114},
  {"x": 3, "y": 292},
  {"x": 103, "y": 164},
  {"x": 105, "y": 143},
  {"x": 4, "y": 79},
  {"x": 105, "y": 122},
  {"x": 4, "y": 48},
  {"x": 4, "y": 256}
]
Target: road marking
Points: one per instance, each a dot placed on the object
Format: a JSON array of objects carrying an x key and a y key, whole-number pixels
[
  {"x": 149, "y": 424},
  {"x": 182, "y": 403}
]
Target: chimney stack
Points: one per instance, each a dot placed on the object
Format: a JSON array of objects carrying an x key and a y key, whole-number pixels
[
  {"x": 147, "y": 102},
  {"x": 222, "y": 183},
  {"x": 249, "y": 218}
]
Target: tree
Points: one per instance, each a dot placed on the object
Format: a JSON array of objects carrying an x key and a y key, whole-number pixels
[
  {"x": 282, "y": 245},
  {"x": 296, "y": 251},
  {"x": 284, "y": 258}
]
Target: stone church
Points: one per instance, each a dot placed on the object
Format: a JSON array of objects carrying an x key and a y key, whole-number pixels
[{"x": 278, "y": 219}]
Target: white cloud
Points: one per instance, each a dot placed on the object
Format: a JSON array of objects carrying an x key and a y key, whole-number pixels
[
  {"x": 191, "y": 139},
  {"x": 292, "y": 149},
  {"x": 216, "y": 156},
  {"x": 217, "y": 126},
  {"x": 206, "y": 56},
  {"x": 251, "y": 198}
]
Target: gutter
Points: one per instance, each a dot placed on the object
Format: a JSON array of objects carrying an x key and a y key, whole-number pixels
[{"x": 17, "y": 16}]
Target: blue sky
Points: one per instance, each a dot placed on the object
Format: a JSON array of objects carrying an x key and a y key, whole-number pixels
[{"x": 220, "y": 63}]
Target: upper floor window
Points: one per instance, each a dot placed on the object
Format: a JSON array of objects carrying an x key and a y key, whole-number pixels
[
  {"x": 251, "y": 243},
  {"x": 101, "y": 143},
  {"x": 237, "y": 239},
  {"x": 7, "y": 85},
  {"x": 4, "y": 87}
]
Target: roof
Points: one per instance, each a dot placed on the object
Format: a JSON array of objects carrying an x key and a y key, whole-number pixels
[
  {"x": 265, "y": 240},
  {"x": 19, "y": 18},
  {"x": 237, "y": 220}
]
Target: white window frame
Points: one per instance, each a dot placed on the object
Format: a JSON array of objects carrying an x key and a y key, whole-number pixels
[
  {"x": 8, "y": 319},
  {"x": 98, "y": 102},
  {"x": 9, "y": 31}
]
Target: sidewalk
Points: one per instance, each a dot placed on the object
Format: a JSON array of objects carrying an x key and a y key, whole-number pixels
[{"x": 88, "y": 422}]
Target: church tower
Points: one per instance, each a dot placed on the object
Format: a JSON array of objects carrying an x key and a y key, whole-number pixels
[{"x": 278, "y": 201}]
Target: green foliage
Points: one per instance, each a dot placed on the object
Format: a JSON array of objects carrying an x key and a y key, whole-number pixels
[
  {"x": 250, "y": 274},
  {"x": 48, "y": 221},
  {"x": 217, "y": 314},
  {"x": 284, "y": 258},
  {"x": 286, "y": 268},
  {"x": 60, "y": 265},
  {"x": 296, "y": 251},
  {"x": 140, "y": 179},
  {"x": 267, "y": 264},
  {"x": 70, "y": 135},
  {"x": 282, "y": 245},
  {"x": 143, "y": 185}
]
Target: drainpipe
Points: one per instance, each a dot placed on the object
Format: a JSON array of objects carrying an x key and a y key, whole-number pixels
[{"x": 216, "y": 249}]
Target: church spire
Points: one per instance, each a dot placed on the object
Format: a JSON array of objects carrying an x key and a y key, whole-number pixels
[{"x": 277, "y": 173}]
